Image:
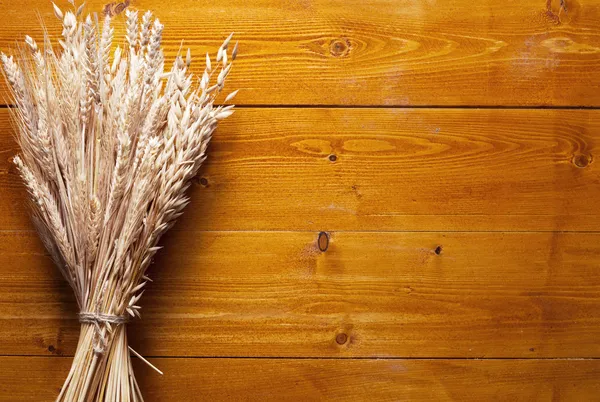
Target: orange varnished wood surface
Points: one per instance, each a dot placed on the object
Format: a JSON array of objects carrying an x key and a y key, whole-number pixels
[
  {"x": 405, "y": 207},
  {"x": 370, "y": 294},
  {"x": 383, "y": 52},
  {"x": 393, "y": 169},
  {"x": 337, "y": 380}
]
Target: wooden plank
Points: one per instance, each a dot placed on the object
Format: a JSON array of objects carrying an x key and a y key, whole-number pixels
[
  {"x": 40, "y": 378},
  {"x": 478, "y": 295},
  {"x": 387, "y": 52},
  {"x": 395, "y": 169}
]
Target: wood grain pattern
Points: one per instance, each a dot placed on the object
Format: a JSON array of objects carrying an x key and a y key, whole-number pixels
[
  {"x": 370, "y": 253},
  {"x": 409, "y": 169},
  {"x": 386, "y": 52},
  {"x": 477, "y": 295},
  {"x": 327, "y": 380}
]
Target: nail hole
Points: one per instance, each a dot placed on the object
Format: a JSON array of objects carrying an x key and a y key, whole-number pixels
[
  {"x": 203, "y": 181},
  {"x": 332, "y": 158},
  {"x": 581, "y": 161},
  {"x": 438, "y": 250},
  {"x": 51, "y": 349},
  {"x": 532, "y": 349},
  {"x": 341, "y": 338},
  {"x": 323, "y": 241}
]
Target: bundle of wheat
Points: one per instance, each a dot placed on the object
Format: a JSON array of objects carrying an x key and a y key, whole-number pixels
[{"x": 108, "y": 148}]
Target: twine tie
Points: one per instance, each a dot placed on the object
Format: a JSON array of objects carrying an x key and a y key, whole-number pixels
[{"x": 100, "y": 322}]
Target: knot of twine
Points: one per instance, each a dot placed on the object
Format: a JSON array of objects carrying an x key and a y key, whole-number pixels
[{"x": 101, "y": 322}]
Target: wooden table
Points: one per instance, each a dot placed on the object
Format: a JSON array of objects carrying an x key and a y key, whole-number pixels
[{"x": 404, "y": 207}]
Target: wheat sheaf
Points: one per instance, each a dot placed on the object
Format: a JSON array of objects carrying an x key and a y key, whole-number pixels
[{"x": 109, "y": 142}]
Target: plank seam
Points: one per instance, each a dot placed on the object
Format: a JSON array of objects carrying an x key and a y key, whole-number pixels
[
  {"x": 31, "y": 231},
  {"x": 331, "y": 358},
  {"x": 336, "y": 106}
]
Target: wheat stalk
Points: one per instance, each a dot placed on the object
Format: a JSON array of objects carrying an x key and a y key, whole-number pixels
[{"x": 108, "y": 147}]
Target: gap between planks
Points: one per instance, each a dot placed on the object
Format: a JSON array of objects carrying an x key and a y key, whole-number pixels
[
  {"x": 69, "y": 356},
  {"x": 336, "y": 106},
  {"x": 175, "y": 230}
]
